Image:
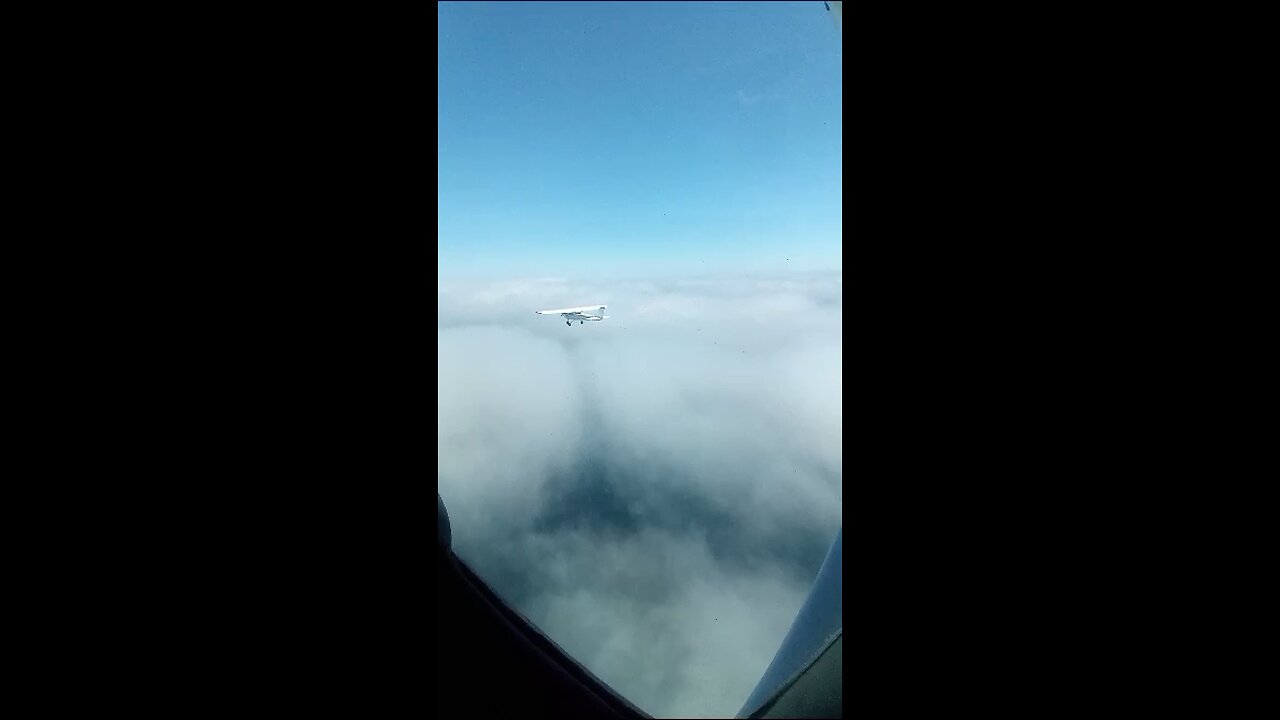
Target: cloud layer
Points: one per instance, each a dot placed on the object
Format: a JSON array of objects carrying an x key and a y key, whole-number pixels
[{"x": 657, "y": 491}]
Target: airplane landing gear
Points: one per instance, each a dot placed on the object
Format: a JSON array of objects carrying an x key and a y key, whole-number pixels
[
  {"x": 579, "y": 322},
  {"x": 567, "y": 323}
]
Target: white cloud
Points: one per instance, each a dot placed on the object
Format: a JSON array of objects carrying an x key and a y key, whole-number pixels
[{"x": 655, "y": 491}]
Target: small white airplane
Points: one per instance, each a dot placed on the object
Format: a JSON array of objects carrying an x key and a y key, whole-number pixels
[{"x": 592, "y": 313}]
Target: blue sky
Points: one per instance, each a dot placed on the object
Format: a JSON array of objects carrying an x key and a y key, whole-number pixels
[{"x": 606, "y": 139}]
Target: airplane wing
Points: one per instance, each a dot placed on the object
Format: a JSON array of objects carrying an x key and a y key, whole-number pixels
[{"x": 574, "y": 310}]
